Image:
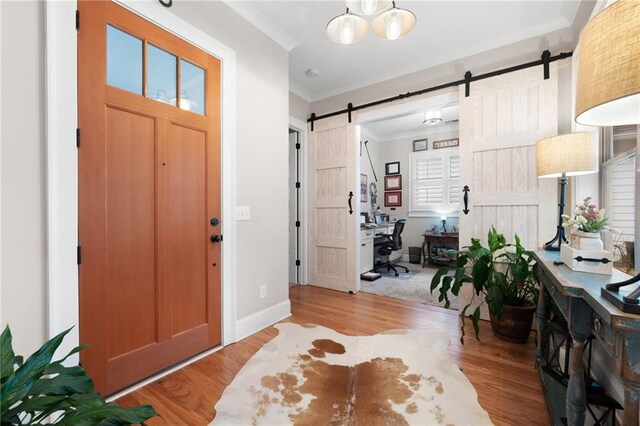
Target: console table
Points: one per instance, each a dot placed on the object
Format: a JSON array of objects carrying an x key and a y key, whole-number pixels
[
  {"x": 577, "y": 295},
  {"x": 430, "y": 238}
]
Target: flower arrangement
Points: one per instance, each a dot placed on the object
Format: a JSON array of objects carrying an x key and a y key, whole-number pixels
[{"x": 587, "y": 218}]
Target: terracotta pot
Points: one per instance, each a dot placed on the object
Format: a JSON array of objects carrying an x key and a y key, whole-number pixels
[{"x": 515, "y": 324}]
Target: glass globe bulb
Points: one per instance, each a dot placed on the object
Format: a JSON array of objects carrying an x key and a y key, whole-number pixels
[
  {"x": 347, "y": 30},
  {"x": 393, "y": 26},
  {"x": 369, "y": 6}
]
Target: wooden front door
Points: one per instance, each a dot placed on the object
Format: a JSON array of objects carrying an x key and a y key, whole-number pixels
[
  {"x": 334, "y": 200},
  {"x": 500, "y": 123},
  {"x": 149, "y": 190}
]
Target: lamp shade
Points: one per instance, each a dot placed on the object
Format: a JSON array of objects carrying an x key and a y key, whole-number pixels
[
  {"x": 368, "y": 7},
  {"x": 571, "y": 154},
  {"x": 394, "y": 23},
  {"x": 347, "y": 28},
  {"x": 608, "y": 83}
]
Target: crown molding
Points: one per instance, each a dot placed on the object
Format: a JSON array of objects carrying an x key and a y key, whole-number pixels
[
  {"x": 255, "y": 17},
  {"x": 300, "y": 91}
]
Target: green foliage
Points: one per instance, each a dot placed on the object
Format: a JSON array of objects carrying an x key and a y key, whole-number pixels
[
  {"x": 33, "y": 390},
  {"x": 501, "y": 274}
]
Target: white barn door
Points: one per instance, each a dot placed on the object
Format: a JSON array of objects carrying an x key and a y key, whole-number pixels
[
  {"x": 333, "y": 212},
  {"x": 500, "y": 123}
]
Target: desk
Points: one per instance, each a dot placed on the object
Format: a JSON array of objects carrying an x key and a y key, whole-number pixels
[
  {"x": 450, "y": 238},
  {"x": 368, "y": 237},
  {"x": 577, "y": 295}
]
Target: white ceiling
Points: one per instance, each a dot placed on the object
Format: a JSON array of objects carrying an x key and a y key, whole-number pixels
[
  {"x": 411, "y": 125},
  {"x": 446, "y": 31}
]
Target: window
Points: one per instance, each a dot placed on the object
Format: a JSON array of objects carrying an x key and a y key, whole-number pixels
[
  {"x": 130, "y": 58},
  {"x": 619, "y": 191},
  {"x": 435, "y": 182}
]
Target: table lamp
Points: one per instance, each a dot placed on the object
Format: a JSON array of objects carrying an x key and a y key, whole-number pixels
[
  {"x": 608, "y": 91},
  {"x": 561, "y": 156}
]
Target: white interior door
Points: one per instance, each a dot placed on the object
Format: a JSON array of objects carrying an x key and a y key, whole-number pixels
[
  {"x": 333, "y": 224},
  {"x": 500, "y": 123}
]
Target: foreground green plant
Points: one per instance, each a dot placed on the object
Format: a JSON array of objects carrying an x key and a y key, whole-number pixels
[
  {"x": 33, "y": 390},
  {"x": 501, "y": 273}
]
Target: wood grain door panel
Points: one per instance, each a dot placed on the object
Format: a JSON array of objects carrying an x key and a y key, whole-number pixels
[
  {"x": 332, "y": 229},
  {"x": 149, "y": 183},
  {"x": 130, "y": 231}
]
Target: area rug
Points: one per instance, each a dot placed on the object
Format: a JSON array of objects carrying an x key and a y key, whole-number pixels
[
  {"x": 311, "y": 375},
  {"x": 413, "y": 286}
]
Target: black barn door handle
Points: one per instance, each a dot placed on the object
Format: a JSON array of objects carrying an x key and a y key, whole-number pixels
[
  {"x": 350, "y": 197},
  {"x": 466, "y": 199}
]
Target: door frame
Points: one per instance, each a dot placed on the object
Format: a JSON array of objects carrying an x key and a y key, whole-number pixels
[
  {"x": 301, "y": 127},
  {"x": 61, "y": 114}
]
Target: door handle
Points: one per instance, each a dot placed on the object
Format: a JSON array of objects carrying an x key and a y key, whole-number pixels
[
  {"x": 216, "y": 238},
  {"x": 350, "y": 197},
  {"x": 466, "y": 191}
]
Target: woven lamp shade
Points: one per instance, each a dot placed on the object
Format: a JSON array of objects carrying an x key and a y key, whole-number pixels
[
  {"x": 572, "y": 154},
  {"x": 608, "y": 91}
]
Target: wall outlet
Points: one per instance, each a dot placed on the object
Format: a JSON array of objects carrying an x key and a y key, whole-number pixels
[
  {"x": 243, "y": 213},
  {"x": 263, "y": 291}
]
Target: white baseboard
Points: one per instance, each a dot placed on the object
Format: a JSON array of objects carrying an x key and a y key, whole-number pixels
[{"x": 255, "y": 322}]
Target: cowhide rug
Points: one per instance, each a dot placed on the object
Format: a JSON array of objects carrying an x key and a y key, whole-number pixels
[{"x": 311, "y": 375}]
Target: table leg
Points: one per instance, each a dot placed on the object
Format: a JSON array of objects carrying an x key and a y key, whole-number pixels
[
  {"x": 576, "y": 391},
  {"x": 631, "y": 401},
  {"x": 424, "y": 254},
  {"x": 540, "y": 323},
  {"x": 579, "y": 320}
]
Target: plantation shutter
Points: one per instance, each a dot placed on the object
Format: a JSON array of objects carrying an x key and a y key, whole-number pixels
[{"x": 435, "y": 181}]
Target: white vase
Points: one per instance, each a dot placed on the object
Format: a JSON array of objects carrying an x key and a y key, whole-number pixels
[{"x": 589, "y": 241}]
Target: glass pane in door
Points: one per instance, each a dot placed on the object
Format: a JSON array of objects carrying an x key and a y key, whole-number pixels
[
  {"x": 124, "y": 60},
  {"x": 192, "y": 87},
  {"x": 161, "y": 75}
]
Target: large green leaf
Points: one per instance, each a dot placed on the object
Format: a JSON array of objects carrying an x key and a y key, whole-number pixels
[
  {"x": 107, "y": 414},
  {"x": 7, "y": 357},
  {"x": 18, "y": 385}
]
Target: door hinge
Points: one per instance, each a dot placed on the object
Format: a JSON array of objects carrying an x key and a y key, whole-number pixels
[
  {"x": 79, "y": 254},
  {"x": 297, "y": 184},
  {"x": 298, "y": 262},
  {"x": 297, "y": 224},
  {"x": 297, "y": 146},
  {"x": 77, "y": 20},
  {"x": 78, "y": 138}
]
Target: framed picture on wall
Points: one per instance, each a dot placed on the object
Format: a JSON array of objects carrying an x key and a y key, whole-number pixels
[
  {"x": 393, "y": 199},
  {"x": 363, "y": 188},
  {"x": 392, "y": 183},
  {"x": 420, "y": 145},
  {"x": 448, "y": 143},
  {"x": 392, "y": 168}
]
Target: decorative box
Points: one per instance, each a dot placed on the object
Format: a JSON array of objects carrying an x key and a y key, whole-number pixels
[{"x": 596, "y": 262}]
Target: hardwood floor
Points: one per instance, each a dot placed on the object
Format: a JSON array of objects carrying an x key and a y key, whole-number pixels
[{"x": 502, "y": 373}]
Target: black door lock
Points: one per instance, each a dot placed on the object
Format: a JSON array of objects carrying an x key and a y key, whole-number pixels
[{"x": 214, "y": 221}]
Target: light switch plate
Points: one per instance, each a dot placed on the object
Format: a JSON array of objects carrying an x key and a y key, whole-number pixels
[{"x": 243, "y": 213}]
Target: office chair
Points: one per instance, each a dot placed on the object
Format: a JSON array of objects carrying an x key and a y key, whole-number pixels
[{"x": 392, "y": 243}]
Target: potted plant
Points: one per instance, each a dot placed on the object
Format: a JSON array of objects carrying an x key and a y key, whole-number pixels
[
  {"x": 40, "y": 391},
  {"x": 502, "y": 275}
]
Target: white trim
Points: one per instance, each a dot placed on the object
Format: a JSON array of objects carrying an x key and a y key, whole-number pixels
[
  {"x": 301, "y": 127},
  {"x": 262, "y": 22},
  {"x": 253, "y": 323},
  {"x": 299, "y": 91},
  {"x": 62, "y": 171}
]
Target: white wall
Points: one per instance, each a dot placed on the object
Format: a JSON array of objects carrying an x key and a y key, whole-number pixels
[
  {"x": 299, "y": 108},
  {"x": 23, "y": 278},
  {"x": 261, "y": 167}
]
